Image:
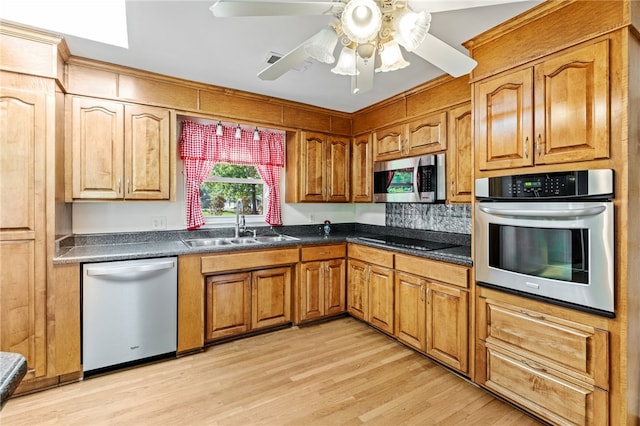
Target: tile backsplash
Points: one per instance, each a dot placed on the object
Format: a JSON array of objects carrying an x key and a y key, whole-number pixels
[{"x": 454, "y": 218}]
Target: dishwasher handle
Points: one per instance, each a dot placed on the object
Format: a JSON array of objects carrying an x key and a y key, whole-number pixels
[{"x": 115, "y": 271}]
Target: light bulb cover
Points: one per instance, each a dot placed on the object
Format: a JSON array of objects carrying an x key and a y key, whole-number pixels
[
  {"x": 361, "y": 20},
  {"x": 346, "y": 62},
  {"x": 219, "y": 129},
  {"x": 322, "y": 45},
  {"x": 256, "y": 135},
  {"x": 238, "y": 134},
  {"x": 412, "y": 28},
  {"x": 391, "y": 57}
]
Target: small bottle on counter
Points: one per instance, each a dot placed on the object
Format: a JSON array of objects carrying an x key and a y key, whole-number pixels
[{"x": 326, "y": 228}]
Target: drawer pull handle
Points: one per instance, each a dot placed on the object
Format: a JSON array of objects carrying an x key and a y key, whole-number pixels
[
  {"x": 533, "y": 365},
  {"x": 532, "y": 315}
]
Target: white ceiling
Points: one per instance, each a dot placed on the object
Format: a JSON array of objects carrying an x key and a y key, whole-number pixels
[{"x": 183, "y": 39}]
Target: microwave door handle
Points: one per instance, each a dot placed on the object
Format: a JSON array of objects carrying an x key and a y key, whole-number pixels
[
  {"x": 561, "y": 213},
  {"x": 416, "y": 186}
]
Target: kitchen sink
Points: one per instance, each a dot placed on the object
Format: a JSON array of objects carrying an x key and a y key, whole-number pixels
[
  {"x": 206, "y": 242},
  {"x": 275, "y": 238},
  {"x": 213, "y": 242}
]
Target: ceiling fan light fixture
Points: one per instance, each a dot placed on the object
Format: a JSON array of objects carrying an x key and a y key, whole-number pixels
[
  {"x": 366, "y": 50},
  {"x": 361, "y": 20},
  {"x": 391, "y": 57},
  {"x": 322, "y": 45},
  {"x": 346, "y": 62},
  {"x": 412, "y": 28}
]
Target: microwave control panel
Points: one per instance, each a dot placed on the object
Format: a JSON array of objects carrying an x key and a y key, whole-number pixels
[{"x": 548, "y": 186}]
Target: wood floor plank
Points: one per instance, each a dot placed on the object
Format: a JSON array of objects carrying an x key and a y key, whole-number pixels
[{"x": 341, "y": 372}]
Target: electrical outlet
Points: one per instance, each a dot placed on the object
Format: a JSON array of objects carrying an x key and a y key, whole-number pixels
[
  {"x": 158, "y": 222},
  {"x": 311, "y": 218}
]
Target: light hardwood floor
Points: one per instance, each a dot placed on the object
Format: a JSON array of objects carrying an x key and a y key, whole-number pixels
[{"x": 336, "y": 373}]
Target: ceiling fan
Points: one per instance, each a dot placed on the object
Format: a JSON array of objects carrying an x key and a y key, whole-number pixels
[{"x": 363, "y": 28}]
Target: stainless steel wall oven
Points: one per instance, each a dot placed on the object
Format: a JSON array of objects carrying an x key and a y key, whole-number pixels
[{"x": 548, "y": 236}]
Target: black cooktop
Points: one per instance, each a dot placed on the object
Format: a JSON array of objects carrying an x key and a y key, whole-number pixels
[{"x": 409, "y": 243}]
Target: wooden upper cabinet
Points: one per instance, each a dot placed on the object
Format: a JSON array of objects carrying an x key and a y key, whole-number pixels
[
  {"x": 388, "y": 142},
  {"x": 504, "y": 121},
  {"x": 338, "y": 167},
  {"x": 362, "y": 169},
  {"x": 554, "y": 112},
  {"x": 147, "y": 152},
  {"x": 426, "y": 134},
  {"x": 572, "y": 106},
  {"x": 119, "y": 151},
  {"x": 459, "y": 162},
  {"x": 97, "y": 144},
  {"x": 320, "y": 168}
]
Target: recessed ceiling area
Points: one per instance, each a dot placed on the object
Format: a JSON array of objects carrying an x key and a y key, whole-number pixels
[{"x": 183, "y": 39}]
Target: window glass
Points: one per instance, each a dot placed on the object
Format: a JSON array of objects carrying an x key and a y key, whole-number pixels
[{"x": 228, "y": 183}]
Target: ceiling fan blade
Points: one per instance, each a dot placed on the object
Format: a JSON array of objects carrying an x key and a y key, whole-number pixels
[
  {"x": 434, "y": 6},
  {"x": 363, "y": 82},
  {"x": 234, "y": 8},
  {"x": 445, "y": 57}
]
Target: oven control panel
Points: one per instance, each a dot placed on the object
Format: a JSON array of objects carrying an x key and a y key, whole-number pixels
[{"x": 548, "y": 186}]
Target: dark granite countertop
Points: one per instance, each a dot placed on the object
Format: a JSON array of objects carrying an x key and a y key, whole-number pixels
[
  {"x": 13, "y": 367},
  {"x": 111, "y": 247}
]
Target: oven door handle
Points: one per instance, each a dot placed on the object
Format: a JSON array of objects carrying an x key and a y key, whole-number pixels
[{"x": 557, "y": 213}]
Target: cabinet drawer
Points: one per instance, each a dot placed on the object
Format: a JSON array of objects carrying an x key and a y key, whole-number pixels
[
  {"x": 333, "y": 251},
  {"x": 371, "y": 255},
  {"x": 544, "y": 391},
  {"x": 251, "y": 259},
  {"x": 581, "y": 349},
  {"x": 433, "y": 269}
]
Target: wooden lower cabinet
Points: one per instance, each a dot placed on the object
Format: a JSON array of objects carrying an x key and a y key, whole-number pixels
[
  {"x": 433, "y": 318},
  {"x": 448, "y": 325},
  {"x": 410, "y": 310},
  {"x": 322, "y": 285},
  {"x": 228, "y": 305},
  {"x": 381, "y": 297},
  {"x": 270, "y": 297},
  {"x": 239, "y": 302},
  {"x": 554, "y": 367},
  {"x": 370, "y": 286}
]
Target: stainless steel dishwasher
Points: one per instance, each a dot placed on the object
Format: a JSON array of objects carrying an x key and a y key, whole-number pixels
[{"x": 129, "y": 312}]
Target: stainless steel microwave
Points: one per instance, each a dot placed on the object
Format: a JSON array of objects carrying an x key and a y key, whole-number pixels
[{"x": 410, "y": 180}]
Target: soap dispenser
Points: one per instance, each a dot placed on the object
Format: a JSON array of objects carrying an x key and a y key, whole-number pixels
[{"x": 326, "y": 228}]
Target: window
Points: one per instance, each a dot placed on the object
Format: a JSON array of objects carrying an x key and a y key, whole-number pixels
[{"x": 225, "y": 185}]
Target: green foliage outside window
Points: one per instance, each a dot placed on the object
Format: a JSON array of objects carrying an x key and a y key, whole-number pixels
[{"x": 227, "y": 184}]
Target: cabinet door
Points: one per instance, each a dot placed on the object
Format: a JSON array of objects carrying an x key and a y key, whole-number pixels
[
  {"x": 410, "y": 311},
  {"x": 271, "y": 297},
  {"x": 388, "y": 142},
  {"x": 311, "y": 290},
  {"x": 381, "y": 301},
  {"x": 313, "y": 167},
  {"x": 335, "y": 284},
  {"x": 427, "y": 134},
  {"x": 228, "y": 305},
  {"x": 357, "y": 289},
  {"x": 23, "y": 297},
  {"x": 337, "y": 174},
  {"x": 362, "y": 169},
  {"x": 447, "y": 325},
  {"x": 504, "y": 121},
  {"x": 97, "y": 148},
  {"x": 572, "y": 106},
  {"x": 459, "y": 165},
  {"x": 147, "y": 151}
]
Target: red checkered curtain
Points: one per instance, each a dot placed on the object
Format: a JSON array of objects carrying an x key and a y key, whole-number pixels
[{"x": 201, "y": 143}]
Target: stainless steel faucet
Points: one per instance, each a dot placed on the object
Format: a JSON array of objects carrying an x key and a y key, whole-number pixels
[{"x": 240, "y": 221}]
